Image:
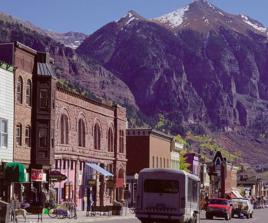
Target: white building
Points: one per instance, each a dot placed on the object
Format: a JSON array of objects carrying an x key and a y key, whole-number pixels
[
  {"x": 175, "y": 155},
  {"x": 6, "y": 112}
]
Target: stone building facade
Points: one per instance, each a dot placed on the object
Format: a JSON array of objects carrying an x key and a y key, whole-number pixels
[{"x": 89, "y": 132}]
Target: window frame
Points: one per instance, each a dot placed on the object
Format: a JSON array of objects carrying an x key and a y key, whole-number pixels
[
  {"x": 19, "y": 136},
  {"x": 110, "y": 140},
  {"x": 121, "y": 141},
  {"x": 28, "y": 137},
  {"x": 81, "y": 133},
  {"x": 64, "y": 129},
  {"x": 3, "y": 133},
  {"x": 97, "y": 137},
  {"x": 29, "y": 93},
  {"x": 45, "y": 137},
  {"x": 19, "y": 93}
]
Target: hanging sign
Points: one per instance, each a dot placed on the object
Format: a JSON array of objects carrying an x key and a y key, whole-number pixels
[{"x": 37, "y": 175}]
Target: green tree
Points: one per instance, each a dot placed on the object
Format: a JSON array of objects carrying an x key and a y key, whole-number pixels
[{"x": 182, "y": 161}]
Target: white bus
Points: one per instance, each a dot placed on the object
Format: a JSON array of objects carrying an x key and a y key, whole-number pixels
[{"x": 167, "y": 195}]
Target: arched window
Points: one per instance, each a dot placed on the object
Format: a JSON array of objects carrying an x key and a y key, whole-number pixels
[
  {"x": 29, "y": 93},
  {"x": 64, "y": 127},
  {"x": 97, "y": 137},
  {"x": 19, "y": 134},
  {"x": 121, "y": 141},
  {"x": 110, "y": 140},
  {"x": 19, "y": 90},
  {"x": 28, "y": 136},
  {"x": 81, "y": 133}
]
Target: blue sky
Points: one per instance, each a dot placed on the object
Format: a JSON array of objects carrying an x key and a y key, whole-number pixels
[{"x": 89, "y": 15}]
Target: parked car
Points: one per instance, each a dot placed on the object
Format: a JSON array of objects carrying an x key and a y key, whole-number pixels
[
  {"x": 219, "y": 207},
  {"x": 242, "y": 206}
]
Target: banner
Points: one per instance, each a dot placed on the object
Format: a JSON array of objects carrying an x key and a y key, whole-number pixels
[{"x": 37, "y": 175}]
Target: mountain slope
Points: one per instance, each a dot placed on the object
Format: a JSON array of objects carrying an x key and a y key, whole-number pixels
[
  {"x": 86, "y": 74},
  {"x": 197, "y": 65}
]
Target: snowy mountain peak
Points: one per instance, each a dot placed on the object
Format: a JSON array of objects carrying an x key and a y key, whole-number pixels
[
  {"x": 129, "y": 17},
  {"x": 256, "y": 25},
  {"x": 173, "y": 19}
]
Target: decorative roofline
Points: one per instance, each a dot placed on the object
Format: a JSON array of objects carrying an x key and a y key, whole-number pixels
[
  {"x": 77, "y": 95},
  {"x": 6, "y": 66},
  {"x": 154, "y": 132}
]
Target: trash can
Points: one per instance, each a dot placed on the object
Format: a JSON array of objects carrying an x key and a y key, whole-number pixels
[{"x": 4, "y": 212}]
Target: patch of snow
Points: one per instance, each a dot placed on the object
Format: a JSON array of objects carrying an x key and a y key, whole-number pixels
[
  {"x": 220, "y": 13},
  {"x": 130, "y": 17},
  {"x": 74, "y": 44},
  {"x": 130, "y": 20},
  {"x": 175, "y": 18},
  {"x": 254, "y": 25},
  {"x": 205, "y": 19},
  {"x": 210, "y": 5}
]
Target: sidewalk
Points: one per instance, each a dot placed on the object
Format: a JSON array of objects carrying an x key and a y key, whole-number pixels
[{"x": 81, "y": 217}]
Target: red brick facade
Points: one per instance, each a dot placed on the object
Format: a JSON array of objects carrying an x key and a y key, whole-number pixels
[
  {"x": 24, "y": 62},
  {"x": 91, "y": 113}
]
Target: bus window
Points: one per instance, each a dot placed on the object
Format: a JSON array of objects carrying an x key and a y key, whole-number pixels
[
  {"x": 192, "y": 190},
  {"x": 161, "y": 186}
]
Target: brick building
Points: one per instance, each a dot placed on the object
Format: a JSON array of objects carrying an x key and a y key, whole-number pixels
[
  {"x": 223, "y": 177},
  {"x": 150, "y": 146},
  {"x": 88, "y": 132},
  {"x": 87, "y": 138},
  {"x": 33, "y": 126},
  {"x": 147, "y": 148}
]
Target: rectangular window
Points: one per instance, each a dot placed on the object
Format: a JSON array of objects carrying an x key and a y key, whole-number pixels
[
  {"x": 43, "y": 137},
  {"x": 3, "y": 132},
  {"x": 43, "y": 98},
  {"x": 18, "y": 134},
  {"x": 161, "y": 186},
  {"x": 28, "y": 136}
]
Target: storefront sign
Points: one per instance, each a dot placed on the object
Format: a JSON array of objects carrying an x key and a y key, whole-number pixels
[
  {"x": 36, "y": 175},
  {"x": 56, "y": 176},
  {"x": 91, "y": 182},
  {"x": 110, "y": 184}
]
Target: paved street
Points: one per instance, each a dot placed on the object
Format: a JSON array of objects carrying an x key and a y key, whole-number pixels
[{"x": 260, "y": 216}]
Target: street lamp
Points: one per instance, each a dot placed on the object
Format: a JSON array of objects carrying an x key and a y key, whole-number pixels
[{"x": 136, "y": 176}]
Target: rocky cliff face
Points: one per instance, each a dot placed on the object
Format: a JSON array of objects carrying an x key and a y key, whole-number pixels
[
  {"x": 197, "y": 63},
  {"x": 83, "y": 73}
]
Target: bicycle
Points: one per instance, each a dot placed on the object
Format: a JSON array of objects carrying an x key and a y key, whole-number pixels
[{"x": 64, "y": 210}]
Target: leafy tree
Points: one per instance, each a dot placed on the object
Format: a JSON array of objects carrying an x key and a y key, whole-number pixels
[{"x": 182, "y": 161}]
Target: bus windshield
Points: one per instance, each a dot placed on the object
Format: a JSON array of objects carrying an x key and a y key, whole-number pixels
[{"x": 161, "y": 186}]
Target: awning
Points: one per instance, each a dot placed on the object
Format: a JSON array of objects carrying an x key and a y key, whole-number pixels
[
  {"x": 234, "y": 194},
  {"x": 99, "y": 169},
  {"x": 15, "y": 172},
  {"x": 237, "y": 194}
]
